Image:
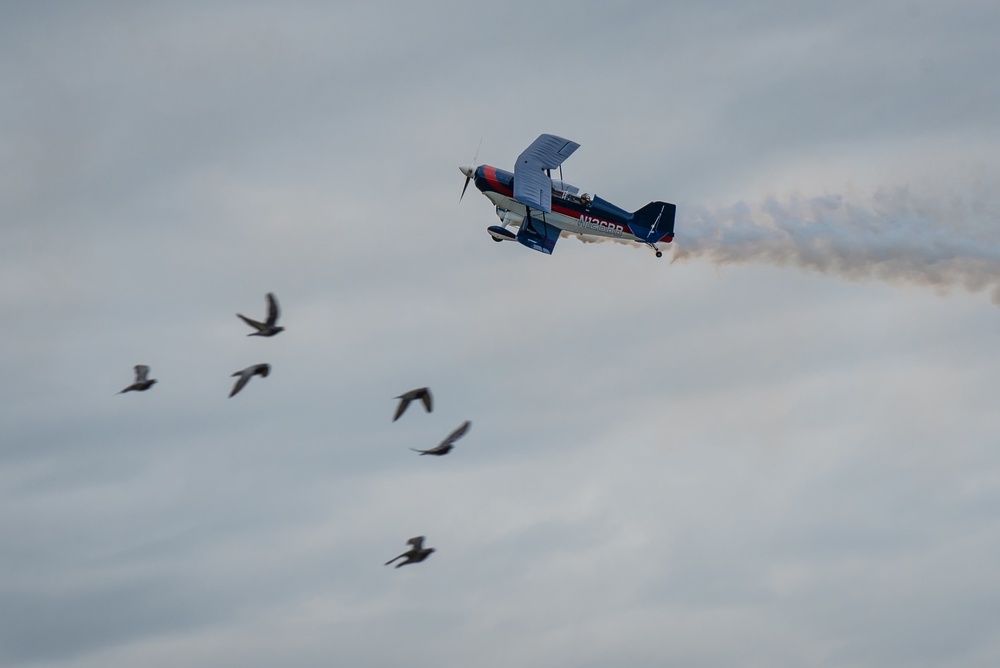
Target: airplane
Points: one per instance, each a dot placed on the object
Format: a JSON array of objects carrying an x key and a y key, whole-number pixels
[{"x": 541, "y": 208}]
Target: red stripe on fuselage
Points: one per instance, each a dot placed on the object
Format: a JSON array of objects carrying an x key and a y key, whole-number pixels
[{"x": 490, "y": 174}]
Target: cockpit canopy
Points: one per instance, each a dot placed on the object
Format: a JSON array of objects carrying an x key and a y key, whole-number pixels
[{"x": 562, "y": 189}]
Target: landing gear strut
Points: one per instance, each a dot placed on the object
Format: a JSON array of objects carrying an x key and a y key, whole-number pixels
[{"x": 659, "y": 253}]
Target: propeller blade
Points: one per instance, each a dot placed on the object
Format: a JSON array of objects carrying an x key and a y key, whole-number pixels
[
  {"x": 467, "y": 179},
  {"x": 471, "y": 170}
]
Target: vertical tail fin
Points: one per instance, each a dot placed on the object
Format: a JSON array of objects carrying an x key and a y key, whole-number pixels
[{"x": 654, "y": 222}]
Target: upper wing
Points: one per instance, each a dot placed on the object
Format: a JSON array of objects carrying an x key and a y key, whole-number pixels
[
  {"x": 457, "y": 434},
  {"x": 417, "y": 542},
  {"x": 141, "y": 371},
  {"x": 532, "y": 186},
  {"x": 272, "y": 309},
  {"x": 240, "y": 382},
  {"x": 403, "y": 403}
]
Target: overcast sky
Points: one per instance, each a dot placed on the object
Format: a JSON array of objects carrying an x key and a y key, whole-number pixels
[{"x": 775, "y": 446}]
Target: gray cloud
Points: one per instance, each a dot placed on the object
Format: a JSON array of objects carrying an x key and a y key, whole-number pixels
[{"x": 704, "y": 462}]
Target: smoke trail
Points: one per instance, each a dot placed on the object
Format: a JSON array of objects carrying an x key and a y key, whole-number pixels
[{"x": 895, "y": 237}]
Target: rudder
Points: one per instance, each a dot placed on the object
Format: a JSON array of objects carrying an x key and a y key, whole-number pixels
[{"x": 654, "y": 222}]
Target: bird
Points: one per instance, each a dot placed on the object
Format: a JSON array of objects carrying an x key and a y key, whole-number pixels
[
  {"x": 142, "y": 383},
  {"x": 268, "y": 328},
  {"x": 245, "y": 375},
  {"x": 415, "y": 554},
  {"x": 422, "y": 393},
  {"x": 445, "y": 446}
]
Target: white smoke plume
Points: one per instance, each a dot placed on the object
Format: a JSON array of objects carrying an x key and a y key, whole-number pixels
[{"x": 893, "y": 236}]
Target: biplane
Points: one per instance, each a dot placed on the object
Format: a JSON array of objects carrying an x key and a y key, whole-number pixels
[{"x": 542, "y": 207}]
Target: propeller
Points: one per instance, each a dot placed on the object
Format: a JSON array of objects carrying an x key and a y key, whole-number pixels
[{"x": 470, "y": 171}]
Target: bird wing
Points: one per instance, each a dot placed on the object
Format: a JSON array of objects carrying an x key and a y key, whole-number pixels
[
  {"x": 436, "y": 450},
  {"x": 404, "y": 401},
  {"x": 141, "y": 371},
  {"x": 425, "y": 397},
  {"x": 396, "y": 558},
  {"x": 259, "y": 326},
  {"x": 272, "y": 309},
  {"x": 417, "y": 542},
  {"x": 243, "y": 380},
  {"x": 457, "y": 434}
]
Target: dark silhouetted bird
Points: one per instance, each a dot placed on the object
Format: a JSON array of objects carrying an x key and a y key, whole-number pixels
[
  {"x": 268, "y": 328},
  {"x": 245, "y": 375},
  {"x": 415, "y": 554},
  {"x": 448, "y": 443},
  {"x": 422, "y": 393},
  {"x": 141, "y": 383}
]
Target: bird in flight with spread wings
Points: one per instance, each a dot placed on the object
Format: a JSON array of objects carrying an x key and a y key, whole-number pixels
[
  {"x": 142, "y": 383},
  {"x": 246, "y": 374},
  {"x": 422, "y": 393},
  {"x": 445, "y": 446},
  {"x": 415, "y": 554},
  {"x": 268, "y": 327}
]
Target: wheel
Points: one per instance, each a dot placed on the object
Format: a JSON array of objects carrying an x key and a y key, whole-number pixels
[
  {"x": 659, "y": 253},
  {"x": 496, "y": 240}
]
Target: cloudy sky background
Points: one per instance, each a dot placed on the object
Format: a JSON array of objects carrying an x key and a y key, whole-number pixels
[{"x": 779, "y": 449}]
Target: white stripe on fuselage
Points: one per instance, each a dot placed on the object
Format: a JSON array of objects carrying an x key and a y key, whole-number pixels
[{"x": 582, "y": 224}]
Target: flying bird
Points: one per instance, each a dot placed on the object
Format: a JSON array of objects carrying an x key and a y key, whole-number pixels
[
  {"x": 245, "y": 375},
  {"x": 422, "y": 393},
  {"x": 268, "y": 328},
  {"x": 448, "y": 443},
  {"x": 142, "y": 383},
  {"x": 415, "y": 554}
]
